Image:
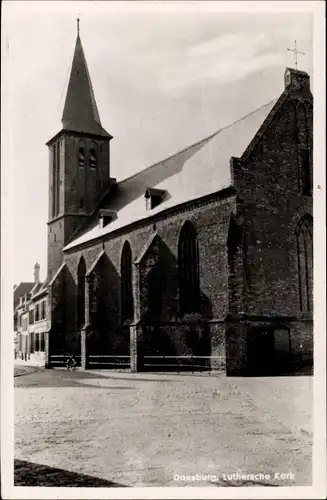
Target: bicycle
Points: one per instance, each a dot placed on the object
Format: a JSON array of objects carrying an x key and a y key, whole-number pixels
[{"x": 70, "y": 363}]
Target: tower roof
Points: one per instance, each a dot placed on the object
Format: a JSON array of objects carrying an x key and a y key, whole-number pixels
[{"x": 80, "y": 111}]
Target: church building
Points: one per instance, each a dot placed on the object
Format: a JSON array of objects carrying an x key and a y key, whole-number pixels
[{"x": 203, "y": 260}]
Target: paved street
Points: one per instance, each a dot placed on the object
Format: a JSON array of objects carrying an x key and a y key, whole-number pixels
[{"x": 121, "y": 429}]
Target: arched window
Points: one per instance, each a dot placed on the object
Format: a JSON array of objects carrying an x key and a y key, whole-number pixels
[
  {"x": 81, "y": 292},
  {"x": 58, "y": 180},
  {"x": 305, "y": 263},
  {"x": 93, "y": 156},
  {"x": 55, "y": 179},
  {"x": 188, "y": 270},
  {"x": 81, "y": 154},
  {"x": 127, "y": 306},
  {"x": 304, "y": 152}
]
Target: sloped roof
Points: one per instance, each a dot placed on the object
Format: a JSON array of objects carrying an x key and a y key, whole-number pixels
[
  {"x": 80, "y": 112},
  {"x": 41, "y": 290},
  {"x": 36, "y": 288},
  {"x": 197, "y": 171},
  {"x": 21, "y": 289},
  {"x": 57, "y": 273}
]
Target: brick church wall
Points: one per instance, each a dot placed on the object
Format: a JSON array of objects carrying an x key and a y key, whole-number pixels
[
  {"x": 211, "y": 221},
  {"x": 272, "y": 205}
]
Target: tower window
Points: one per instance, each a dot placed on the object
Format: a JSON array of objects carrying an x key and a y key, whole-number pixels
[
  {"x": 55, "y": 179},
  {"x": 81, "y": 154},
  {"x": 93, "y": 157},
  {"x": 81, "y": 157}
]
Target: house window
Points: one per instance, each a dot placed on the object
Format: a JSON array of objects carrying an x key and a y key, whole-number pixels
[
  {"x": 81, "y": 292},
  {"x": 31, "y": 317},
  {"x": 43, "y": 314},
  {"x": 37, "y": 312},
  {"x": 32, "y": 342},
  {"x": 127, "y": 307},
  {"x": 188, "y": 270},
  {"x": 93, "y": 156},
  {"x": 305, "y": 263}
]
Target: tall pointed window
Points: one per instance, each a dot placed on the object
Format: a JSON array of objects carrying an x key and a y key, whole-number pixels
[
  {"x": 54, "y": 182},
  {"x": 81, "y": 154},
  {"x": 58, "y": 180},
  {"x": 188, "y": 270},
  {"x": 127, "y": 306},
  {"x": 93, "y": 156},
  {"x": 305, "y": 263},
  {"x": 81, "y": 292},
  {"x": 304, "y": 151},
  {"x": 55, "y": 179}
]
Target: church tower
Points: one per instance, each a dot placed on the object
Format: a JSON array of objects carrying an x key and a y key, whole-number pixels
[{"x": 79, "y": 161}]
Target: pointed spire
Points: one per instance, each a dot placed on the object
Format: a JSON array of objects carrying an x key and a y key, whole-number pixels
[{"x": 80, "y": 111}]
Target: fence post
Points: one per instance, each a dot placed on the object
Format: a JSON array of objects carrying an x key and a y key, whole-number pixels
[
  {"x": 134, "y": 354},
  {"x": 84, "y": 353}
]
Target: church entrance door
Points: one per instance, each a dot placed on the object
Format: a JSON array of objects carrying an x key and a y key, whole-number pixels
[{"x": 261, "y": 352}]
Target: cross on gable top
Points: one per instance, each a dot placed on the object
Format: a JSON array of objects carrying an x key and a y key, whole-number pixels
[{"x": 296, "y": 52}]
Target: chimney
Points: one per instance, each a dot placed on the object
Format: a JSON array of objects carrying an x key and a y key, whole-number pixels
[{"x": 37, "y": 273}]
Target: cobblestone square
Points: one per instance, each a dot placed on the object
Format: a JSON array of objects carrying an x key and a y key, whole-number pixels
[{"x": 121, "y": 429}]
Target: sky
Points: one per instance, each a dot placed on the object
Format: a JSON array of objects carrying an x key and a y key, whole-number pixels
[{"x": 165, "y": 75}]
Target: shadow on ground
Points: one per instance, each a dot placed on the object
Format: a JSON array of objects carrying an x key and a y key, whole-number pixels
[
  {"x": 23, "y": 370},
  {"x": 30, "y": 474},
  {"x": 56, "y": 378}
]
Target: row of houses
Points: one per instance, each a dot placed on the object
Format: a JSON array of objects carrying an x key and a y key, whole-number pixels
[{"x": 30, "y": 318}]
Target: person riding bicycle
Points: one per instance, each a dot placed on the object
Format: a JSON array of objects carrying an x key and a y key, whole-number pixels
[{"x": 70, "y": 362}]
